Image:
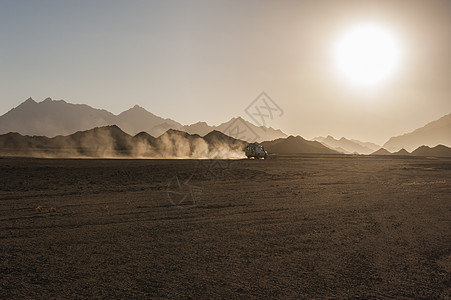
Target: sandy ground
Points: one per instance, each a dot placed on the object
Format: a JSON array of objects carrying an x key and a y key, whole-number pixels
[{"x": 300, "y": 226}]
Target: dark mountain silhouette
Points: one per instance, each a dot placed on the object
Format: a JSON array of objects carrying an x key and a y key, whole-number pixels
[
  {"x": 344, "y": 145},
  {"x": 111, "y": 141},
  {"x": 200, "y": 128},
  {"x": 437, "y": 151},
  {"x": 144, "y": 137},
  {"x": 238, "y": 128},
  {"x": 137, "y": 119},
  {"x": 432, "y": 134},
  {"x": 241, "y": 129},
  {"x": 217, "y": 137},
  {"x": 51, "y": 118},
  {"x": 296, "y": 144},
  {"x": 381, "y": 151},
  {"x": 176, "y": 143},
  {"x": 14, "y": 143},
  {"x": 402, "y": 152},
  {"x": 162, "y": 128},
  {"x": 98, "y": 142}
]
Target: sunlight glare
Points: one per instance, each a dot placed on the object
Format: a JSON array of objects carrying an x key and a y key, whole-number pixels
[{"x": 367, "y": 55}]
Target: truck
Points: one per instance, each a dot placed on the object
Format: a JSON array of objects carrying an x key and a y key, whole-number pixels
[{"x": 256, "y": 151}]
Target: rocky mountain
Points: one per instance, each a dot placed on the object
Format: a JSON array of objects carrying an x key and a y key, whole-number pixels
[
  {"x": 437, "y": 151},
  {"x": 217, "y": 137},
  {"x": 241, "y": 129},
  {"x": 296, "y": 144},
  {"x": 381, "y": 151},
  {"x": 346, "y": 146},
  {"x": 51, "y": 118},
  {"x": 368, "y": 145},
  {"x": 237, "y": 128},
  {"x": 137, "y": 119},
  {"x": 111, "y": 141},
  {"x": 200, "y": 128},
  {"x": 432, "y": 134},
  {"x": 402, "y": 152},
  {"x": 98, "y": 142}
]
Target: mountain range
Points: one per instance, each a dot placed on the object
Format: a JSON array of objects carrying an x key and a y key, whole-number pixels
[
  {"x": 296, "y": 144},
  {"x": 432, "y": 134},
  {"x": 435, "y": 133},
  {"x": 346, "y": 146},
  {"x": 111, "y": 141},
  {"x": 51, "y": 118},
  {"x": 57, "y": 117},
  {"x": 437, "y": 151}
]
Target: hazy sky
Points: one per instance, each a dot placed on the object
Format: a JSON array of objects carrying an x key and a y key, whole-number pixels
[{"x": 207, "y": 60}]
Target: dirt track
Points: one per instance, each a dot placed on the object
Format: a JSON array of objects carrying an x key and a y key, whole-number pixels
[{"x": 301, "y": 226}]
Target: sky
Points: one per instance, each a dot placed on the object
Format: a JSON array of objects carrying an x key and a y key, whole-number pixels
[{"x": 208, "y": 60}]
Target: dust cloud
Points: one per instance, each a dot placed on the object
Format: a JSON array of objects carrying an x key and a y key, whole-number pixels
[{"x": 112, "y": 142}]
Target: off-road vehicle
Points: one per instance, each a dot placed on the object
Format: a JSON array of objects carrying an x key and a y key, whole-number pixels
[{"x": 255, "y": 150}]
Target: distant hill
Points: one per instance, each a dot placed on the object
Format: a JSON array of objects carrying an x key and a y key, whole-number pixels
[
  {"x": 217, "y": 137},
  {"x": 98, "y": 142},
  {"x": 368, "y": 145},
  {"x": 437, "y": 151},
  {"x": 162, "y": 128},
  {"x": 137, "y": 119},
  {"x": 402, "y": 152},
  {"x": 296, "y": 144},
  {"x": 51, "y": 118},
  {"x": 246, "y": 131},
  {"x": 381, "y": 151},
  {"x": 57, "y": 117},
  {"x": 432, "y": 134},
  {"x": 200, "y": 128},
  {"x": 347, "y": 146},
  {"x": 239, "y": 129},
  {"x": 111, "y": 141}
]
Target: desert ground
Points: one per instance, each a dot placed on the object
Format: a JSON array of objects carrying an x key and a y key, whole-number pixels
[{"x": 289, "y": 227}]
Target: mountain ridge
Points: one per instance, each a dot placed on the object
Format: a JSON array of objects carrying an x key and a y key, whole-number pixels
[
  {"x": 296, "y": 145},
  {"x": 437, "y": 151},
  {"x": 432, "y": 134},
  {"x": 58, "y": 117},
  {"x": 347, "y": 146},
  {"x": 112, "y": 142}
]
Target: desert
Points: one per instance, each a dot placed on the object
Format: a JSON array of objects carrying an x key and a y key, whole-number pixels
[
  {"x": 295, "y": 226},
  {"x": 227, "y": 149}
]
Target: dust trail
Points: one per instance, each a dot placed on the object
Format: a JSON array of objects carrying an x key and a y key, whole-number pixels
[{"x": 112, "y": 142}]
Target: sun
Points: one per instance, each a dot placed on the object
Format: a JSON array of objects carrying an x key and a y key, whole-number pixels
[{"x": 367, "y": 54}]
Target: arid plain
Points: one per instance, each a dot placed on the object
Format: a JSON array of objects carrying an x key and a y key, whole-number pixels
[{"x": 293, "y": 226}]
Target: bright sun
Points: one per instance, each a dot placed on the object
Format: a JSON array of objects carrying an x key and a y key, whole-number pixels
[{"x": 367, "y": 55}]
